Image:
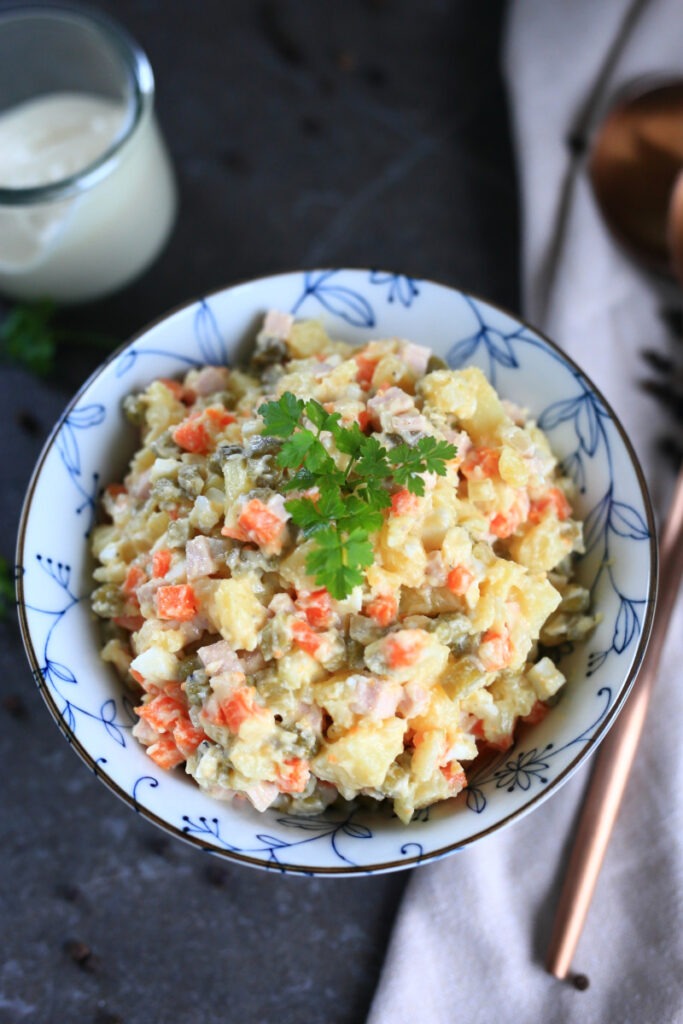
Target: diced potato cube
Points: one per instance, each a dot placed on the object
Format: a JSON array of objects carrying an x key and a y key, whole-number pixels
[
  {"x": 429, "y": 753},
  {"x": 545, "y": 678},
  {"x": 236, "y": 480},
  {"x": 156, "y": 665},
  {"x": 102, "y": 536},
  {"x": 163, "y": 410},
  {"x": 237, "y": 613},
  {"x": 401, "y": 552},
  {"x": 393, "y": 371},
  {"x": 542, "y": 546},
  {"x": 360, "y": 759},
  {"x": 117, "y": 654},
  {"x": 205, "y": 514},
  {"x": 307, "y": 337},
  {"x": 512, "y": 468},
  {"x": 298, "y": 669},
  {"x": 441, "y": 713},
  {"x": 164, "y": 468},
  {"x": 450, "y": 392},
  {"x": 153, "y": 634},
  {"x": 463, "y": 676}
]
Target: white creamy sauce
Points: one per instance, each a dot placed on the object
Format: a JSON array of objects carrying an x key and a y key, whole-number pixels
[
  {"x": 53, "y": 137},
  {"x": 92, "y": 243}
]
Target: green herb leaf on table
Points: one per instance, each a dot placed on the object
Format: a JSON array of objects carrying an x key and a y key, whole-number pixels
[
  {"x": 7, "y": 595},
  {"x": 348, "y": 505},
  {"x": 30, "y": 336},
  {"x": 27, "y": 337}
]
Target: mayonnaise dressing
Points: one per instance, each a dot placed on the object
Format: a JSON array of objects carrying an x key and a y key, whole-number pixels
[{"x": 89, "y": 244}]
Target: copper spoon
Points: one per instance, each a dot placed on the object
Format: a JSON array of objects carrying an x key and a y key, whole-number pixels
[{"x": 636, "y": 169}]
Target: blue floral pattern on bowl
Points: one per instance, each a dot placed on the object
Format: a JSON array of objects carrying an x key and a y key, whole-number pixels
[{"x": 91, "y": 445}]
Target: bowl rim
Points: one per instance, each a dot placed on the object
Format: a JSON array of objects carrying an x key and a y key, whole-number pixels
[{"x": 383, "y": 866}]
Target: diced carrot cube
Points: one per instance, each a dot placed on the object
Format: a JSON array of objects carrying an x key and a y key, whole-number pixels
[
  {"x": 480, "y": 462},
  {"x": 364, "y": 419},
  {"x": 293, "y": 775},
  {"x": 403, "y": 503},
  {"x": 165, "y": 753},
  {"x": 162, "y": 712},
  {"x": 219, "y": 419},
  {"x": 192, "y": 434},
  {"x": 161, "y": 562},
  {"x": 186, "y": 737},
  {"x": 366, "y": 369},
  {"x": 113, "y": 490},
  {"x": 198, "y": 431},
  {"x": 403, "y": 649},
  {"x": 234, "y": 533},
  {"x": 237, "y": 708},
  {"x": 305, "y": 638},
  {"x": 317, "y": 607},
  {"x": 495, "y": 650},
  {"x": 383, "y": 609},
  {"x": 504, "y": 524},
  {"x": 459, "y": 580},
  {"x": 134, "y": 577},
  {"x": 177, "y": 602},
  {"x": 261, "y": 524},
  {"x": 553, "y": 501}
]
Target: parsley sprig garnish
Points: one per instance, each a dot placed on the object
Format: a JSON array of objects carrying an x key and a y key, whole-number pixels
[
  {"x": 7, "y": 598},
  {"x": 348, "y": 504},
  {"x": 30, "y": 337}
]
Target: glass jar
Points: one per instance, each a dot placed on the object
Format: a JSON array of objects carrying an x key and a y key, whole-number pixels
[{"x": 87, "y": 192}]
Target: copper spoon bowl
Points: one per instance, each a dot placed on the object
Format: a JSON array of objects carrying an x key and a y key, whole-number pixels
[{"x": 635, "y": 169}]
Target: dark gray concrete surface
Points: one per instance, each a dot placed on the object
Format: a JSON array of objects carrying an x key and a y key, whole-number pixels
[{"x": 303, "y": 133}]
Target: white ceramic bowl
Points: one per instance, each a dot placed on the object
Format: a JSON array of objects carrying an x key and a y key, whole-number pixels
[{"x": 90, "y": 446}]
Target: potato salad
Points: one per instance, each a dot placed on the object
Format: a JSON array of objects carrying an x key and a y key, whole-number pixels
[{"x": 338, "y": 572}]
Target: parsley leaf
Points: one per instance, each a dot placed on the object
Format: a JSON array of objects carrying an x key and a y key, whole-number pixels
[
  {"x": 337, "y": 559},
  {"x": 7, "y": 595},
  {"x": 373, "y": 462},
  {"x": 282, "y": 417},
  {"x": 321, "y": 418},
  {"x": 27, "y": 337},
  {"x": 345, "y": 504},
  {"x": 429, "y": 455},
  {"x": 30, "y": 337}
]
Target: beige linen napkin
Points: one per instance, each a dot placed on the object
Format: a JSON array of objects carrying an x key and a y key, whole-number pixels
[{"x": 472, "y": 932}]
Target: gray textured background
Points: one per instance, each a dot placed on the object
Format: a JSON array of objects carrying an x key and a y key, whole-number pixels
[{"x": 303, "y": 133}]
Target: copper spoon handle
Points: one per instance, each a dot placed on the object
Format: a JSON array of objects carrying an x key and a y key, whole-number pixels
[{"x": 614, "y": 759}]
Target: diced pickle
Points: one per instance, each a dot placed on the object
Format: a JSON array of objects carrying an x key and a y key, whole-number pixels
[
  {"x": 191, "y": 480},
  {"x": 197, "y": 687},
  {"x": 165, "y": 492},
  {"x": 436, "y": 363},
  {"x": 187, "y": 666},
  {"x": 164, "y": 446},
  {"x": 134, "y": 409},
  {"x": 178, "y": 533},
  {"x": 107, "y": 601}
]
